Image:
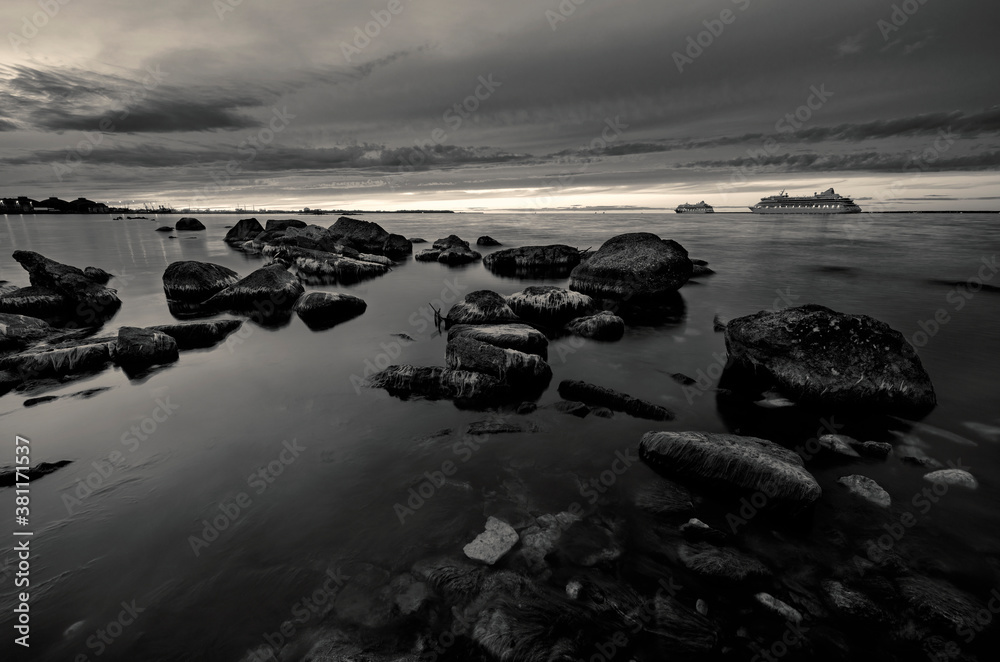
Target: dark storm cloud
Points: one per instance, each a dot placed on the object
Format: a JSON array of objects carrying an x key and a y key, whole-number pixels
[
  {"x": 861, "y": 161},
  {"x": 154, "y": 116}
]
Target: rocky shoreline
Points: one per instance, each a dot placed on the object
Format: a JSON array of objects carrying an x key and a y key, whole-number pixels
[{"x": 706, "y": 560}]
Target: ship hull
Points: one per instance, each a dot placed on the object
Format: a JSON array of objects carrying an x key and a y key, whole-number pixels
[
  {"x": 695, "y": 211},
  {"x": 812, "y": 211}
]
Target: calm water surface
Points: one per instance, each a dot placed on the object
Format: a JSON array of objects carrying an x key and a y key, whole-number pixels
[{"x": 234, "y": 407}]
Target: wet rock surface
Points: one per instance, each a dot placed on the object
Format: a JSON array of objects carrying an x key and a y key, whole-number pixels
[
  {"x": 605, "y": 325},
  {"x": 599, "y": 396},
  {"x": 549, "y": 305},
  {"x": 534, "y": 261},
  {"x": 195, "y": 282},
  {"x": 633, "y": 266},
  {"x": 520, "y": 337},
  {"x": 481, "y": 307},
  {"x": 323, "y": 310}
]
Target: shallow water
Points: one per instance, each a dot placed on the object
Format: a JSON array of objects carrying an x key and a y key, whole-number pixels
[{"x": 233, "y": 407}]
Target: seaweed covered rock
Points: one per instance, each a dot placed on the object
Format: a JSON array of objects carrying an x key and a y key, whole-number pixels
[
  {"x": 520, "y": 337},
  {"x": 507, "y": 365},
  {"x": 726, "y": 460},
  {"x": 17, "y": 331},
  {"x": 556, "y": 260},
  {"x": 194, "y": 282},
  {"x": 90, "y": 302},
  {"x": 721, "y": 563},
  {"x": 436, "y": 382},
  {"x": 325, "y": 268},
  {"x": 265, "y": 293},
  {"x": 189, "y": 224},
  {"x": 816, "y": 355},
  {"x": 35, "y": 302},
  {"x": 76, "y": 358},
  {"x": 636, "y": 266},
  {"x": 137, "y": 349},
  {"x": 546, "y": 304},
  {"x": 198, "y": 335},
  {"x": 481, "y": 307},
  {"x": 940, "y": 604},
  {"x": 605, "y": 325},
  {"x": 325, "y": 309},
  {"x": 244, "y": 230},
  {"x": 599, "y": 396}
]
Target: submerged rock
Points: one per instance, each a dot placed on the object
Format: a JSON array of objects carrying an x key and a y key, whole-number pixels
[
  {"x": 492, "y": 544},
  {"x": 854, "y": 604},
  {"x": 195, "y": 282},
  {"x": 877, "y": 449},
  {"x": 91, "y": 302},
  {"x": 604, "y": 325},
  {"x": 746, "y": 463},
  {"x": 779, "y": 607},
  {"x": 164, "y": 228},
  {"x": 438, "y": 382},
  {"x": 245, "y": 230},
  {"x": 264, "y": 293},
  {"x": 487, "y": 240},
  {"x": 9, "y": 476},
  {"x": 86, "y": 357},
  {"x": 507, "y": 365},
  {"x": 867, "y": 489},
  {"x": 683, "y": 629},
  {"x": 940, "y": 604},
  {"x": 526, "y": 261},
  {"x": 280, "y": 225},
  {"x": 37, "y": 302},
  {"x": 951, "y": 477},
  {"x": 721, "y": 563},
  {"x": 198, "y": 335},
  {"x": 838, "y": 445},
  {"x": 499, "y": 427},
  {"x": 481, "y": 307},
  {"x": 572, "y": 407},
  {"x": 138, "y": 349},
  {"x": 549, "y": 305},
  {"x": 189, "y": 224},
  {"x": 17, "y": 331},
  {"x": 633, "y": 266},
  {"x": 520, "y": 337},
  {"x": 325, "y": 309},
  {"x": 820, "y": 356},
  {"x": 599, "y": 396}
]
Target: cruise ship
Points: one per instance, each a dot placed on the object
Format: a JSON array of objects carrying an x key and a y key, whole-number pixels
[
  {"x": 700, "y": 208},
  {"x": 826, "y": 202}
]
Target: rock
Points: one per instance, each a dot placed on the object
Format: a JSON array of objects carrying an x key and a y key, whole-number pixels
[
  {"x": 590, "y": 543},
  {"x": 854, "y": 604},
  {"x": 499, "y": 427},
  {"x": 245, "y": 230},
  {"x": 418, "y": 240},
  {"x": 189, "y": 224},
  {"x": 662, "y": 497},
  {"x": 683, "y": 379},
  {"x": 526, "y": 408},
  {"x": 165, "y": 228},
  {"x": 604, "y": 325},
  {"x": 838, "y": 444},
  {"x": 91, "y": 302},
  {"x": 367, "y": 237},
  {"x": 493, "y": 543},
  {"x": 635, "y": 266},
  {"x": 720, "y": 563},
  {"x": 940, "y": 604},
  {"x": 718, "y": 324},
  {"x": 522, "y": 630},
  {"x": 280, "y": 225},
  {"x": 700, "y": 270},
  {"x": 438, "y": 382},
  {"x": 325, "y": 309},
  {"x": 366, "y": 598},
  {"x": 458, "y": 255},
  {"x": 451, "y": 241},
  {"x": 411, "y": 595},
  {"x": 32, "y": 402},
  {"x": 98, "y": 275},
  {"x": 780, "y": 608},
  {"x": 916, "y": 457},
  {"x": 456, "y": 580},
  {"x": 602, "y": 412},
  {"x": 486, "y": 240},
  {"x": 138, "y": 349},
  {"x": 324, "y": 268},
  {"x": 951, "y": 477},
  {"x": 265, "y": 293},
  {"x": 198, "y": 335},
  {"x": 9, "y": 476},
  {"x": 195, "y": 282},
  {"x": 427, "y": 255},
  {"x": 746, "y": 463},
  {"x": 549, "y": 305},
  {"x": 572, "y": 407},
  {"x": 819, "y": 356},
  {"x": 18, "y": 331},
  {"x": 481, "y": 307},
  {"x": 867, "y": 489},
  {"x": 397, "y": 247},
  {"x": 598, "y": 396},
  {"x": 683, "y": 629},
  {"x": 556, "y": 260},
  {"x": 59, "y": 362},
  {"x": 37, "y": 302},
  {"x": 695, "y": 530},
  {"x": 520, "y": 337},
  {"x": 540, "y": 539},
  {"x": 876, "y": 449},
  {"x": 506, "y": 365}
]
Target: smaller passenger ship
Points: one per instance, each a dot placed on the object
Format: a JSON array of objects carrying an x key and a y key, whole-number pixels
[{"x": 700, "y": 208}]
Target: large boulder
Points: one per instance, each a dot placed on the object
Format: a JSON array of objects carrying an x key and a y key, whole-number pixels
[
  {"x": 437, "y": 382},
  {"x": 605, "y": 325},
  {"x": 599, "y": 396},
  {"x": 195, "y": 282},
  {"x": 280, "y": 225},
  {"x": 816, "y": 355},
  {"x": 366, "y": 236},
  {"x": 91, "y": 302},
  {"x": 520, "y": 337},
  {"x": 245, "y": 230},
  {"x": 481, "y": 307},
  {"x": 189, "y": 224},
  {"x": 322, "y": 310},
  {"x": 265, "y": 293},
  {"x": 507, "y": 365},
  {"x": 198, "y": 335},
  {"x": 637, "y": 266},
  {"x": 324, "y": 268},
  {"x": 457, "y": 255},
  {"x": 546, "y": 304},
  {"x": 726, "y": 460},
  {"x": 35, "y": 302},
  {"x": 487, "y": 240},
  {"x": 17, "y": 331},
  {"x": 397, "y": 247},
  {"x": 138, "y": 349},
  {"x": 451, "y": 241},
  {"x": 553, "y": 260}
]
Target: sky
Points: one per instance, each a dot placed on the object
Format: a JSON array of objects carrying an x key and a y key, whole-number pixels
[{"x": 485, "y": 105}]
